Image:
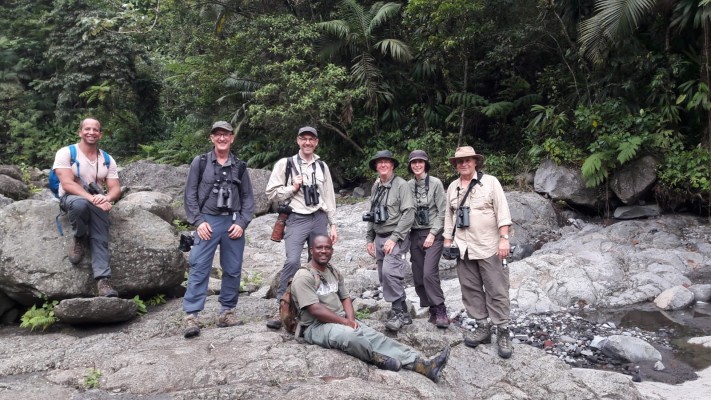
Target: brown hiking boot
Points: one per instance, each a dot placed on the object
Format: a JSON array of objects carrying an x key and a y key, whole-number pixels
[
  {"x": 228, "y": 318},
  {"x": 433, "y": 315},
  {"x": 482, "y": 334},
  {"x": 105, "y": 289},
  {"x": 503, "y": 341},
  {"x": 384, "y": 362},
  {"x": 76, "y": 251},
  {"x": 431, "y": 368},
  {"x": 441, "y": 319},
  {"x": 191, "y": 326}
]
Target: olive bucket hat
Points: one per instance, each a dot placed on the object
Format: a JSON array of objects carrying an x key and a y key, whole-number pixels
[
  {"x": 418, "y": 155},
  {"x": 383, "y": 154}
]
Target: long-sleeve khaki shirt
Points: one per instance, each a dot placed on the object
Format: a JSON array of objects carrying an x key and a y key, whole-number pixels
[
  {"x": 488, "y": 211},
  {"x": 435, "y": 201},
  {"x": 277, "y": 188},
  {"x": 401, "y": 209}
]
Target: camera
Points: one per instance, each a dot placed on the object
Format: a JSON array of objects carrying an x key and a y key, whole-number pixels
[
  {"x": 422, "y": 215},
  {"x": 463, "y": 217},
  {"x": 284, "y": 209},
  {"x": 93, "y": 188},
  {"x": 224, "y": 198},
  {"x": 368, "y": 217},
  {"x": 451, "y": 252},
  {"x": 186, "y": 241},
  {"x": 311, "y": 196}
]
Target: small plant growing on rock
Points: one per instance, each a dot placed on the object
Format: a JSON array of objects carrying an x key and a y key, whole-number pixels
[
  {"x": 140, "y": 305},
  {"x": 156, "y": 300},
  {"x": 362, "y": 314},
  {"x": 92, "y": 380},
  {"x": 42, "y": 317}
]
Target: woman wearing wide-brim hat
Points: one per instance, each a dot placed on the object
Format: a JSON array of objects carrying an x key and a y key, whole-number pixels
[
  {"x": 426, "y": 236},
  {"x": 477, "y": 220}
]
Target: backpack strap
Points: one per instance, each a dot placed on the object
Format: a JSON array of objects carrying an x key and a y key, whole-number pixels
[{"x": 203, "y": 164}]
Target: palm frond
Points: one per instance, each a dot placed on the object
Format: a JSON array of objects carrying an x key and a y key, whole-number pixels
[
  {"x": 397, "y": 49},
  {"x": 381, "y": 14}
]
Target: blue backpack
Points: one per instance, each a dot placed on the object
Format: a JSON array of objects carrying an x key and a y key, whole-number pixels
[{"x": 54, "y": 180}]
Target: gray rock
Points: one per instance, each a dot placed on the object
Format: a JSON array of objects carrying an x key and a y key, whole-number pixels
[
  {"x": 534, "y": 222},
  {"x": 359, "y": 192},
  {"x": 563, "y": 183},
  {"x": 630, "y": 349},
  {"x": 13, "y": 171},
  {"x": 6, "y": 303},
  {"x": 97, "y": 310},
  {"x": 153, "y": 202},
  {"x": 5, "y": 201},
  {"x": 659, "y": 366},
  {"x": 675, "y": 298},
  {"x": 635, "y": 180},
  {"x": 632, "y": 212},
  {"x": 143, "y": 249},
  {"x": 702, "y": 292},
  {"x": 13, "y": 188}
]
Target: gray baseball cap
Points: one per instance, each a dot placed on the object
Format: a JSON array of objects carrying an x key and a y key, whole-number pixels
[
  {"x": 308, "y": 129},
  {"x": 222, "y": 125}
]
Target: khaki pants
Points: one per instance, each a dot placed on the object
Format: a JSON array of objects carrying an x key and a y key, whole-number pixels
[{"x": 485, "y": 289}]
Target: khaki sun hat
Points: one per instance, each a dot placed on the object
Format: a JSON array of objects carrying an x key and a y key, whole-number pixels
[{"x": 466, "y": 152}]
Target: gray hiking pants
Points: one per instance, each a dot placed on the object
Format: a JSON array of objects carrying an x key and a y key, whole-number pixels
[
  {"x": 360, "y": 343},
  {"x": 485, "y": 289},
  {"x": 92, "y": 223},
  {"x": 298, "y": 229},
  {"x": 392, "y": 267}
]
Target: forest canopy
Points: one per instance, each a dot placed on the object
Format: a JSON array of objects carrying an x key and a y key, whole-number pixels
[{"x": 595, "y": 84}]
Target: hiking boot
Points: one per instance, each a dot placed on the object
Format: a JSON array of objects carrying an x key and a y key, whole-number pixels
[
  {"x": 105, "y": 289},
  {"x": 396, "y": 321},
  {"x": 228, "y": 318},
  {"x": 384, "y": 362},
  {"x": 274, "y": 322},
  {"x": 191, "y": 326},
  {"x": 441, "y": 319},
  {"x": 482, "y": 334},
  {"x": 433, "y": 315},
  {"x": 503, "y": 341},
  {"x": 76, "y": 251},
  {"x": 431, "y": 368}
]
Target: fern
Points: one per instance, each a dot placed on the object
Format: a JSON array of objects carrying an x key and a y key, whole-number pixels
[
  {"x": 499, "y": 109},
  {"x": 140, "y": 305},
  {"x": 593, "y": 170},
  {"x": 628, "y": 149},
  {"x": 42, "y": 317}
]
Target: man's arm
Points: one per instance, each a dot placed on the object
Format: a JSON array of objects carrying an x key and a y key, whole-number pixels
[
  {"x": 70, "y": 186},
  {"x": 348, "y": 308},
  {"x": 276, "y": 187},
  {"x": 190, "y": 199},
  {"x": 323, "y": 314}
]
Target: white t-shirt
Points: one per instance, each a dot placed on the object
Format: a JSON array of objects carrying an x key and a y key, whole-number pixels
[{"x": 91, "y": 170}]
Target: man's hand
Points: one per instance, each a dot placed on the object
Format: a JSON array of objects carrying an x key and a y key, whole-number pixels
[
  {"x": 428, "y": 241},
  {"x": 504, "y": 248},
  {"x": 105, "y": 206},
  {"x": 371, "y": 249},
  {"x": 352, "y": 324},
  {"x": 204, "y": 231},
  {"x": 333, "y": 235},
  {"x": 99, "y": 199},
  {"x": 235, "y": 231},
  {"x": 388, "y": 246},
  {"x": 297, "y": 181},
  {"x": 447, "y": 242}
]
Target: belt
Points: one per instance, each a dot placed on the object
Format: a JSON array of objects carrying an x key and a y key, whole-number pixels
[{"x": 383, "y": 235}]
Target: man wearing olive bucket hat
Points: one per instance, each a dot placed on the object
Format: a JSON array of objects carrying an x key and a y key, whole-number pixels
[
  {"x": 477, "y": 221},
  {"x": 392, "y": 212}
]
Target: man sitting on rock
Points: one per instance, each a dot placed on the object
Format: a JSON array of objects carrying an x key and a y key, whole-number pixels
[
  {"x": 326, "y": 318},
  {"x": 82, "y": 196}
]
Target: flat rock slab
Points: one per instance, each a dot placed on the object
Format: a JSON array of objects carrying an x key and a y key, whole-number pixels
[{"x": 97, "y": 310}]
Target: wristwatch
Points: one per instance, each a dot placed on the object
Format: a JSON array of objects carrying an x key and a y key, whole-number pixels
[{"x": 504, "y": 237}]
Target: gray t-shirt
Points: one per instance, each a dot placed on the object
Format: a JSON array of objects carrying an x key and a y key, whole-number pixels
[{"x": 311, "y": 286}]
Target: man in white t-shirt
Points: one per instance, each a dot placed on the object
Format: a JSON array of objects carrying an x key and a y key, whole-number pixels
[{"x": 82, "y": 196}]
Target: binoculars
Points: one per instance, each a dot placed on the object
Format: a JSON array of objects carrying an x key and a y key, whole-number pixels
[
  {"x": 378, "y": 216},
  {"x": 186, "y": 242},
  {"x": 93, "y": 188},
  {"x": 311, "y": 196},
  {"x": 463, "y": 217},
  {"x": 224, "y": 198},
  {"x": 422, "y": 215}
]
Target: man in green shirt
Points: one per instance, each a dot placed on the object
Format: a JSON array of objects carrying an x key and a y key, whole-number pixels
[
  {"x": 326, "y": 318},
  {"x": 392, "y": 212}
]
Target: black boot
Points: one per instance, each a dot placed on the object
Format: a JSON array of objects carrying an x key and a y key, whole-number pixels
[
  {"x": 503, "y": 341},
  {"x": 384, "y": 362},
  {"x": 431, "y": 368}
]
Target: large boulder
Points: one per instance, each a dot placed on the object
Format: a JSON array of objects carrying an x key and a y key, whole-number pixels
[
  {"x": 13, "y": 188},
  {"x": 629, "y": 349},
  {"x": 13, "y": 171},
  {"x": 33, "y": 256},
  {"x": 675, "y": 298},
  {"x": 635, "y": 180},
  {"x": 562, "y": 183},
  {"x": 98, "y": 310},
  {"x": 154, "y": 202},
  {"x": 534, "y": 222}
]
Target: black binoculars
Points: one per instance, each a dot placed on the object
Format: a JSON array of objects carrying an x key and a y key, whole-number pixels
[
  {"x": 463, "y": 217},
  {"x": 186, "y": 242},
  {"x": 224, "y": 198},
  {"x": 311, "y": 196},
  {"x": 378, "y": 216},
  {"x": 93, "y": 188},
  {"x": 284, "y": 209},
  {"x": 422, "y": 215}
]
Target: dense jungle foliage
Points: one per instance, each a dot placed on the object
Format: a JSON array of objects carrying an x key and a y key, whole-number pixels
[{"x": 591, "y": 83}]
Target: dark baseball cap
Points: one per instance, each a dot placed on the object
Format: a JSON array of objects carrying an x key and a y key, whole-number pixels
[
  {"x": 308, "y": 129},
  {"x": 222, "y": 125}
]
